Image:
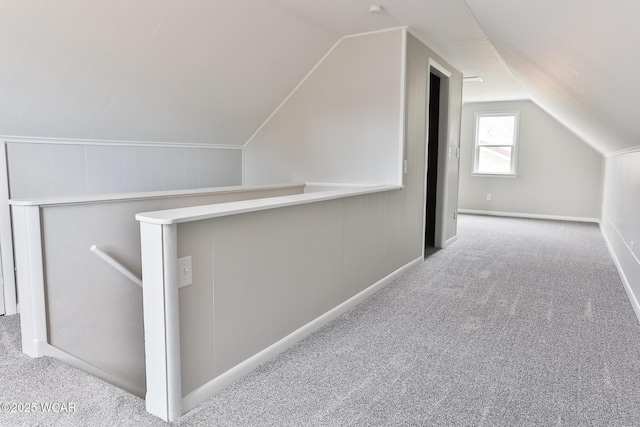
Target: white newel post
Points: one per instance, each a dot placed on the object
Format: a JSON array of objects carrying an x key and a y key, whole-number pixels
[
  {"x": 30, "y": 278},
  {"x": 6, "y": 239},
  {"x": 161, "y": 320}
]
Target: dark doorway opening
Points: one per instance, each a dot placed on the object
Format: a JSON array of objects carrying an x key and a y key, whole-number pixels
[{"x": 433, "y": 141}]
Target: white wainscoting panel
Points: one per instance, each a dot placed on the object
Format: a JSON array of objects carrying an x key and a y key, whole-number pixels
[
  {"x": 58, "y": 169},
  {"x": 259, "y": 276},
  {"x": 621, "y": 218}
]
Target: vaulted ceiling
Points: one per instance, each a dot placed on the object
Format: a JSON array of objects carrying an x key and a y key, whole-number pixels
[
  {"x": 211, "y": 71},
  {"x": 195, "y": 71},
  {"x": 574, "y": 58}
]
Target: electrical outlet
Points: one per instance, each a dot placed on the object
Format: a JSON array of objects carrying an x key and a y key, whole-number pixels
[
  {"x": 488, "y": 196},
  {"x": 185, "y": 274}
]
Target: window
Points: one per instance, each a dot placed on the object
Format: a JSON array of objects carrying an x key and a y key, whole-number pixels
[{"x": 496, "y": 143}]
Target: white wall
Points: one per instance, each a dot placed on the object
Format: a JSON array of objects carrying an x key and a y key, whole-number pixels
[
  {"x": 420, "y": 59},
  {"x": 50, "y": 168},
  {"x": 558, "y": 174},
  {"x": 343, "y": 124},
  {"x": 59, "y": 169},
  {"x": 621, "y": 218},
  {"x": 275, "y": 270}
]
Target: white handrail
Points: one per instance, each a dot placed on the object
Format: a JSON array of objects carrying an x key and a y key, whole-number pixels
[{"x": 115, "y": 264}]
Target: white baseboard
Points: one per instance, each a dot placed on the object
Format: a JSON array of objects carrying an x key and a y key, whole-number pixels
[
  {"x": 609, "y": 240},
  {"x": 51, "y": 351},
  {"x": 204, "y": 392},
  {"x": 531, "y": 216}
]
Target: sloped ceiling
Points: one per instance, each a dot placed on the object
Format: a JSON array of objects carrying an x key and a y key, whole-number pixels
[
  {"x": 211, "y": 71},
  {"x": 571, "y": 57},
  {"x": 575, "y": 59},
  {"x": 199, "y": 71},
  {"x": 447, "y": 26}
]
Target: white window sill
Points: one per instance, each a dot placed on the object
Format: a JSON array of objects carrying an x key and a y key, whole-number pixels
[{"x": 493, "y": 175}]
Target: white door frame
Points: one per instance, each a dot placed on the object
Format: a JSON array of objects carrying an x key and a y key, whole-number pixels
[{"x": 443, "y": 153}]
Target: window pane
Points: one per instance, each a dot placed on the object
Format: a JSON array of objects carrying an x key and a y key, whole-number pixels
[
  {"x": 496, "y": 130},
  {"x": 494, "y": 160}
]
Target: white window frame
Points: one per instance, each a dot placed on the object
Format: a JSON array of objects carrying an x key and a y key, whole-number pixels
[{"x": 513, "y": 172}]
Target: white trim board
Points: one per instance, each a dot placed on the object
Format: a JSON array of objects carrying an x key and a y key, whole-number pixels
[
  {"x": 197, "y": 213},
  {"x": 432, "y": 63},
  {"x": 8, "y": 288},
  {"x": 403, "y": 101},
  {"x": 531, "y": 216},
  {"x": 121, "y": 197},
  {"x": 61, "y": 141},
  {"x": 214, "y": 386}
]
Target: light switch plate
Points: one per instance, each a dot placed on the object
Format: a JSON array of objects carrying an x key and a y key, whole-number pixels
[{"x": 185, "y": 274}]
